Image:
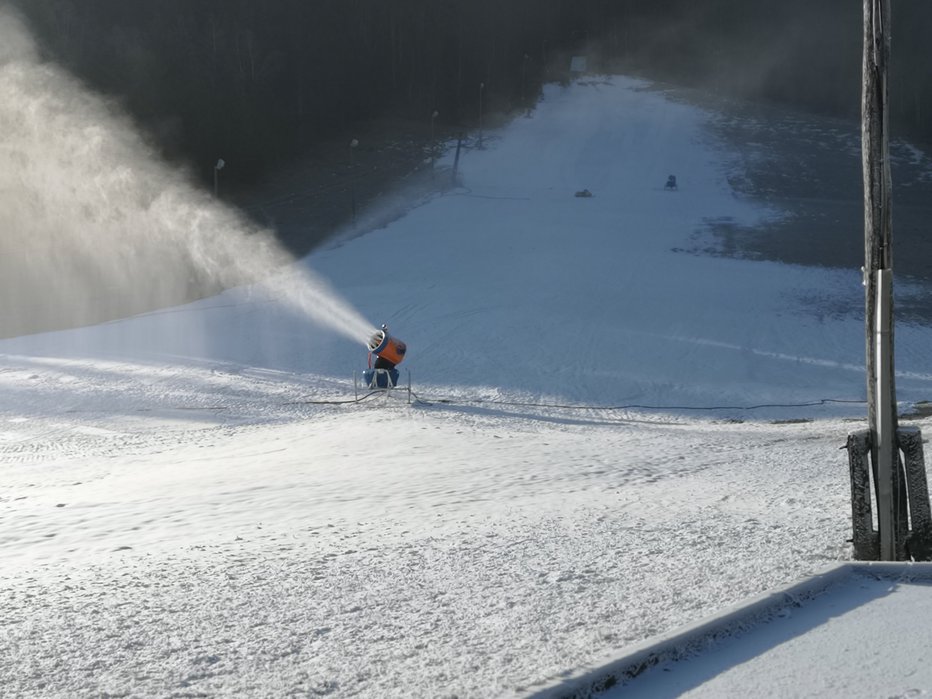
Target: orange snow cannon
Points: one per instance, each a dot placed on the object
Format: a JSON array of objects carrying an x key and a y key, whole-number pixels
[
  {"x": 387, "y": 348},
  {"x": 388, "y": 352}
]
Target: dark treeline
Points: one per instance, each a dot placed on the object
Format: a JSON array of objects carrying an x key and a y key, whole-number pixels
[{"x": 258, "y": 82}]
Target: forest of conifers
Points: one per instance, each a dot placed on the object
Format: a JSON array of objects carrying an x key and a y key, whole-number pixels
[{"x": 261, "y": 81}]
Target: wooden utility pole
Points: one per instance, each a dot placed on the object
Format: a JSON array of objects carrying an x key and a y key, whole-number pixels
[
  {"x": 878, "y": 276},
  {"x": 901, "y": 491}
]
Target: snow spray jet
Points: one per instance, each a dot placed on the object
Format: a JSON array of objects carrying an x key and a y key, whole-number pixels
[
  {"x": 316, "y": 299},
  {"x": 94, "y": 226}
]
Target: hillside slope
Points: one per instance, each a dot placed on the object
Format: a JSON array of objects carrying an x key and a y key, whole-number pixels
[{"x": 196, "y": 497}]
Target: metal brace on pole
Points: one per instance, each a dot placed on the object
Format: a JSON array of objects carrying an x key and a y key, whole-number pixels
[{"x": 885, "y": 446}]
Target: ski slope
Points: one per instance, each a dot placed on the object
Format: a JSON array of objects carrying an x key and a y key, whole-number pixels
[{"x": 609, "y": 436}]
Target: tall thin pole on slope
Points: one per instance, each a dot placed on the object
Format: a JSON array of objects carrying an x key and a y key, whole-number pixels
[
  {"x": 217, "y": 168},
  {"x": 878, "y": 271},
  {"x": 352, "y": 164},
  {"x": 481, "y": 88}
]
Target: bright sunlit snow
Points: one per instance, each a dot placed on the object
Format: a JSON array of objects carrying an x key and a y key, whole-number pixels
[{"x": 595, "y": 451}]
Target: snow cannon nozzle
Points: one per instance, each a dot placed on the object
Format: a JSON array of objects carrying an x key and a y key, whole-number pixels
[{"x": 378, "y": 337}]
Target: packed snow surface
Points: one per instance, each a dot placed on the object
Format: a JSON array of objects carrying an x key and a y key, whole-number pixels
[
  {"x": 856, "y": 638},
  {"x": 594, "y": 452}
]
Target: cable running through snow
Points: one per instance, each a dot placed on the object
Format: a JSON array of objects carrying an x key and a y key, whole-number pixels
[
  {"x": 529, "y": 404},
  {"x": 633, "y": 406}
]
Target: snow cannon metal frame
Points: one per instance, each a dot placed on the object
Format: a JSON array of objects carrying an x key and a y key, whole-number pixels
[{"x": 389, "y": 352}]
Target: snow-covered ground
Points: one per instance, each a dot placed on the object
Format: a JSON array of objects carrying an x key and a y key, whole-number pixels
[
  {"x": 608, "y": 437},
  {"x": 853, "y": 630}
]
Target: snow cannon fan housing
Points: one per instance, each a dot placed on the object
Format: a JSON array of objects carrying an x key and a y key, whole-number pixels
[
  {"x": 387, "y": 348},
  {"x": 389, "y": 352}
]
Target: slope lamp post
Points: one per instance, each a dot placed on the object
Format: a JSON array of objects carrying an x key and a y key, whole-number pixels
[
  {"x": 217, "y": 168},
  {"x": 481, "y": 88},
  {"x": 352, "y": 147},
  {"x": 524, "y": 79},
  {"x": 433, "y": 144}
]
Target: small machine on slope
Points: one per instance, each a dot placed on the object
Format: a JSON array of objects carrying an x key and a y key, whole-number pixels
[{"x": 388, "y": 352}]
